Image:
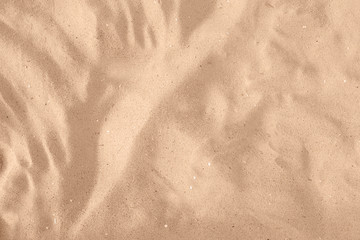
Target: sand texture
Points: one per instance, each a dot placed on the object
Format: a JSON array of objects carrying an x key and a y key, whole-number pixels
[{"x": 179, "y": 119}]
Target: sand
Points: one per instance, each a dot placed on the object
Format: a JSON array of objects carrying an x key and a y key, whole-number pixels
[{"x": 179, "y": 119}]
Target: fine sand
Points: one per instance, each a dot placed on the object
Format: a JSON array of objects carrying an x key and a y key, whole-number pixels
[{"x": 179, "y": 119}]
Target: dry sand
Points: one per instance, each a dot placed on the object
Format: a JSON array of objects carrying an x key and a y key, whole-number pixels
[{"x": 179, "y": 119}]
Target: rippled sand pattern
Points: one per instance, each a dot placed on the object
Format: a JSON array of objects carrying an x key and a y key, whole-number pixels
[{"x": 179, "y": 119}]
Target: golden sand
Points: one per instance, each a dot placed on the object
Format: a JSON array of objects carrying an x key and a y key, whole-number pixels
[{"x": 179, "y": 119}]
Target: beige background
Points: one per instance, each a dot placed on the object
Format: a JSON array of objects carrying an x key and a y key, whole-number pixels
[{"x": 179, "y": 119}]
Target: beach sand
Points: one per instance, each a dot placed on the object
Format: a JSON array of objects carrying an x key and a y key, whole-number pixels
[{"x": 179, "y": 119}]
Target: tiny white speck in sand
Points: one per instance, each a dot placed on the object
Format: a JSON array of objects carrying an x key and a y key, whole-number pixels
[
  {"x": 165, "y": 225},
  {"x": 97, "y": 120},
  {"x": 29, "y": 86},
  {"x": 194, "y": 177},
  {"x": 209, "y": 164},
  {"x": 47, "y": 227},
  {"x": 304, "y": 26},
  {"x": 107, "y": 131},
  {"x": 345, "y": 81},
  {"x": 54, "y": 220},
  {"x": 190, "y": 187},
  {"x": 71, "y": 200}
]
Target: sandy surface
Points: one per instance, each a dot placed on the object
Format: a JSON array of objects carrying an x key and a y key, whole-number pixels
[{"x": 179, "y": 119}]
